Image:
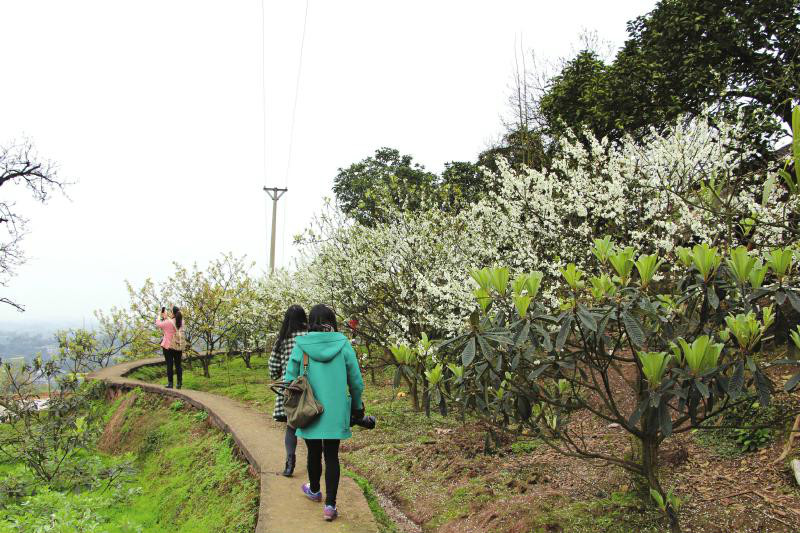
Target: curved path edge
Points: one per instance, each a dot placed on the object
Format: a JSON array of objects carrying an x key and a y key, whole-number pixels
[{"x": 282, "y": 506}]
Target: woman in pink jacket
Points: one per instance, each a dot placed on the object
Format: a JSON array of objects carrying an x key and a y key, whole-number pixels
[{"x": 172, "y": 357}]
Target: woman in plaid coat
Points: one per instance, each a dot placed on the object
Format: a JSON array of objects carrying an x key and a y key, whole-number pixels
[{"x": 295, "y": 323}]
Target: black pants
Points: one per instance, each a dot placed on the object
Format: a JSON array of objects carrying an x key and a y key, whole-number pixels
[
  {"x": 173, "y": 357},
  {"x": 316, "y": 449}
]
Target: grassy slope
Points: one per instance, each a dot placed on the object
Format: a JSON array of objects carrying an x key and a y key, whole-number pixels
[
  {"x": 186, "y": 477},
  {"x": 189, "y": 477}
]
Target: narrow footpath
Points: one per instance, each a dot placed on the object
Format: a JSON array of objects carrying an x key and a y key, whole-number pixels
[{"x": 282, "y": 506}]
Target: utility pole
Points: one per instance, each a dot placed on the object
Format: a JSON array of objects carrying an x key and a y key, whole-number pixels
[{"x": 275, "y": 193}]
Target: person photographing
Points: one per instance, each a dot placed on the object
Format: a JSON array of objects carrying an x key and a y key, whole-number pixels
[{"x": 172, "y": 343}]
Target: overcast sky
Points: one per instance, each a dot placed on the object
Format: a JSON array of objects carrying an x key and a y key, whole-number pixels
[{"x": 154, "y": 110}]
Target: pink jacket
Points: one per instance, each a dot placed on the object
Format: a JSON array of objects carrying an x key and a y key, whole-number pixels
[{"x": 168, "y": 327}]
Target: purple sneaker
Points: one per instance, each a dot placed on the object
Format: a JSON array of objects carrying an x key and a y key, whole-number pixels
[
  {"x": 313, "y": 496},
  {"x": 330, "y": 512}
]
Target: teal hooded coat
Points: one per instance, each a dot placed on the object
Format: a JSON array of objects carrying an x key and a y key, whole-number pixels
[{"x": 332, "y": 372}]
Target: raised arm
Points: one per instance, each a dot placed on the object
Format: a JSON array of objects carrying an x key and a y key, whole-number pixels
[{"x": 163, "y": 321}]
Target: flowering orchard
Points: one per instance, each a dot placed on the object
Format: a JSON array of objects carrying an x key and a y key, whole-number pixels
[
  {"x": 678, "y": 188},
  {"x": 667, "y": 266}
]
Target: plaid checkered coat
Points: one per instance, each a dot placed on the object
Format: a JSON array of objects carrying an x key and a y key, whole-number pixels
[{"x": 277, "y": 368}]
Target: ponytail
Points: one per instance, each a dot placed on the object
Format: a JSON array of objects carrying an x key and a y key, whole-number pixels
[{"x": 178, "y": 317}]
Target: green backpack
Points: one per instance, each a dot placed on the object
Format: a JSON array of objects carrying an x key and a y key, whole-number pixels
[{"x": 298, "y": 399}]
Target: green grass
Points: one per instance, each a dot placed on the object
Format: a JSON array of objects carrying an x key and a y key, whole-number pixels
[
  {"x": 190, "y": 479},
  {"x": 385, "y": 523},
  {"x": 229, "y": 377},
  {"x": 727, "y": 442},
  {"x": 620, "y": 512},
  {"x": 186, "y": 479},
  {"x": 525, "y": 446}
]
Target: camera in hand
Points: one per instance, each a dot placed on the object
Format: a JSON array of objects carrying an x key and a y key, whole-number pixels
[{"x": 358, "y": 418}]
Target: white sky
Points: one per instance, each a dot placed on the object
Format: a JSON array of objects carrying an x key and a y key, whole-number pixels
[{"x": 154, "y": 109}]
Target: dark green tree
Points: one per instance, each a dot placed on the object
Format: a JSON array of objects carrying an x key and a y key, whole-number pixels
[
  {"x": 682, "y": 56},
  {"x": 578, "y": 97},
  {"x": 461, "y": 183},
  {"x": 387, "y": 177},
  {"x": 522, "y": 145}
]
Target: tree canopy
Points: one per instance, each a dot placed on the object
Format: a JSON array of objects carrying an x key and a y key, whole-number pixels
[{"x": 681, "y": 57}]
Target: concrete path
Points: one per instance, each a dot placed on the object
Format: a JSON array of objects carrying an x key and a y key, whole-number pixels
[{"x": 282, "y": 506}]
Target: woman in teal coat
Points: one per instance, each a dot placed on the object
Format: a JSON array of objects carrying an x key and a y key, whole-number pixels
[{"x": 332, "y": 372}]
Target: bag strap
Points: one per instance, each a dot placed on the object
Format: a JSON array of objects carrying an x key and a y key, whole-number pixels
[{"x": 305, "y": 362}]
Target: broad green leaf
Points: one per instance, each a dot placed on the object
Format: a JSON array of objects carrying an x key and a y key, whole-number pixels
[
  {"x": 499, "y": 278},
  {"x": 483, "y": 297},
  {"x": 647, "y": 266},
  {"x": 794, "y": 299},
  {"x": 563, "y": 333},
  {"x": 741, "y": 264},
  {"x": 622, "y": 262},
  {"x": 658, "y": 499},
  {"x": 684, "y": 255},
  {"x": 780, "y": 261},
  {"x": 534, "y": 282},
  {"x": 706, "y": 260},
  {"x": 482, "y": 277},
  {"x": 654, "y": 364},
  {"x": 634, "y": 329},
  {"x": 602, "y": 249},
  {"x": 468, "y": 355},
  {"x": 757, "y": 274},
  {"x": 572, "y": 276},
  {"x": 586, "y": 318},
  {"x": 736, "y": 383},
  {"x": 522, "y": 303},
  {"x": 519, "y": 284}
]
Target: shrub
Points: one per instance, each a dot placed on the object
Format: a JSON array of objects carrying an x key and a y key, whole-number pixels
[{"x": 685, "y": 350}]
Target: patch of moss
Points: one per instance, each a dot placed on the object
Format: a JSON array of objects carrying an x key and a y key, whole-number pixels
[{"x": 620, "y": 512}]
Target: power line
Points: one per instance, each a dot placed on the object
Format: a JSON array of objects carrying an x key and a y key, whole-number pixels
[
  {"x": 296, "y": 92},
  {"x": 274, "y": 192},
  {"x": 291, "y": 131}
]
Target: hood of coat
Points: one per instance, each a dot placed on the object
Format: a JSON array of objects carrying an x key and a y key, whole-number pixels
[{"x": 322, "y": 345}]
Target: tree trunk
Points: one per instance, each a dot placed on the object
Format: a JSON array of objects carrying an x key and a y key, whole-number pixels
[
  {"x": 415, "y": 394},
  {"x": 205, "y": 360},
  {"x": 650, "y": 467},
  {"x": 781, "y": 328}
]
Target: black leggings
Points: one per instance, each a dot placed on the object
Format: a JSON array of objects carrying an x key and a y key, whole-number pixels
[
  {"x": 173, "y": 356},
  {"x": 330, "y": 448}
]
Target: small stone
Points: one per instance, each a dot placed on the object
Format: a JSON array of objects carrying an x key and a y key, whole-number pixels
[{"x": 614, "y": 425}]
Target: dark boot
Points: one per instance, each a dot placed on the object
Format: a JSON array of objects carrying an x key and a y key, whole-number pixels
[
  {"x": 289, "y": 470},
  {"x": 180, "y": 384},
  {"x": 169, "y": 385}
]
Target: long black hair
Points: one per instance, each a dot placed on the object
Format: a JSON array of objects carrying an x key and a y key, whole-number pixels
[
  {"x": 294, "y": 320},
  {"x": 322, "y": 318},
  {"x": 178, "y": 317}
]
